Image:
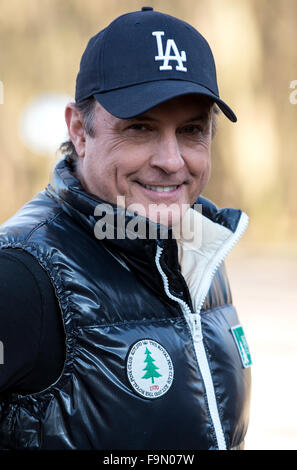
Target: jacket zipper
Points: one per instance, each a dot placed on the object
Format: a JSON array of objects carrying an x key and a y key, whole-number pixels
[{"x": 194, "y": 321}]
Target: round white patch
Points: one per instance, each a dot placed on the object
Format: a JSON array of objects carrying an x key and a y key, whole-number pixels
[{"x": 149, "y": 368}]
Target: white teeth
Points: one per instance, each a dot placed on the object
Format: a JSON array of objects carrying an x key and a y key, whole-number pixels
[{"x": 160, "y": 189}]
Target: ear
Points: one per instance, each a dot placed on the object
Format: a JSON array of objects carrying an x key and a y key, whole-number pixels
[{"x": 76, "y": 129}]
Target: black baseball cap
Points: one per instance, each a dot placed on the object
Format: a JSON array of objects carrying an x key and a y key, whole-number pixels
[{"x": 144, "y": 58}]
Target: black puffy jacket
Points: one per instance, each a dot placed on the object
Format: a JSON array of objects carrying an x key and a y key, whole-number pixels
[{"x": 148, "y": 365}]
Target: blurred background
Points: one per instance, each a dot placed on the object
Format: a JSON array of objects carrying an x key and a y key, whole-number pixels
[{"x": 254, "y": 161}]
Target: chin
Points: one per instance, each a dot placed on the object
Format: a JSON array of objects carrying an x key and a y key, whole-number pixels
[
  {"x": 167, "y": 218},
  {"x": 161, "y": 213}
]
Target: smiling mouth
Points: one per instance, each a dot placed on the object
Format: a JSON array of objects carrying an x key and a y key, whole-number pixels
[{"x": 160, "y": 189}]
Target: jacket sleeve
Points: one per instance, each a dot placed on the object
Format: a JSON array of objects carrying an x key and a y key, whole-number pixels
[{"x": 31, "y": 333}]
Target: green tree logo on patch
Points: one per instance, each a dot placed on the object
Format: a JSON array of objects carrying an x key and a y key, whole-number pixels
[
  {"x": 147, "y": 356},
  {"x": 151, "y": 368}
]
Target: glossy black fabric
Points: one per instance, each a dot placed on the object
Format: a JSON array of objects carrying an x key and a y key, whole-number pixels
[
  {"x": 30, "y": 318},
  {"x": 31, "y": 327},
  {"x": 106, "y": 309}
]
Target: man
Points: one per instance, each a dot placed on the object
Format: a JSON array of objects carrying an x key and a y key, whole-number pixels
[{"x": 114, "y": 338}]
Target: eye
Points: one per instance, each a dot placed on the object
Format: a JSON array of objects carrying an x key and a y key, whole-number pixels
[
  {"x": 140, "y": 127},
  {"x": 192, "y": 129}
]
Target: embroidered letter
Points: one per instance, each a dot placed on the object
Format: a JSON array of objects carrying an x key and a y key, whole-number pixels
[{"x": 179, "y": 57}]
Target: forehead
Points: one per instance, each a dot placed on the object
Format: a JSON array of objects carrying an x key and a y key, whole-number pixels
[{"x": 179, "y": 109}]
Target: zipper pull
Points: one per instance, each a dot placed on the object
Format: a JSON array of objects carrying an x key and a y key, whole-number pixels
[{"x": 194, "y": 321}]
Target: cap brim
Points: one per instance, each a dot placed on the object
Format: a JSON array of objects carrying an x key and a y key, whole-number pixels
[{"x": 131, "y": 101}]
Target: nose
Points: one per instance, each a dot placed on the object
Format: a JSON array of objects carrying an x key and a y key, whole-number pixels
[{"x": 167, "y": 155}]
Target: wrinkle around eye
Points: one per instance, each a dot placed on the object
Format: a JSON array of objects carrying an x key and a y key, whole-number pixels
[{"x": 199, "y": 136}]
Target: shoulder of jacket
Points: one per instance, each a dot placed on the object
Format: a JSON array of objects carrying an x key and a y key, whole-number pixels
[{"x": 38, "y": 212}]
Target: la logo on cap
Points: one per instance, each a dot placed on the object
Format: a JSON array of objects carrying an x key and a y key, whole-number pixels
[{"x": 179, "y": 57}]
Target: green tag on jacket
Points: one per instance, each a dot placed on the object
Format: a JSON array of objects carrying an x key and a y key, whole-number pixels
[{"x": 242, "y": 346}]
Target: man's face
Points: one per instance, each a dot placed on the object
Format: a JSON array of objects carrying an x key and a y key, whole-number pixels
[{"x": 158, "y": 162}]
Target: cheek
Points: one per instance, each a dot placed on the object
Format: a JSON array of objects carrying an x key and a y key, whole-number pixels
[
  {"x": 99, "y": 160},
  {"x": 201, "y": 165},
  {"x": 98, "y": 173},
  {"x": 206, "y": 172},
  {"x": 200, "y": 170}
]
